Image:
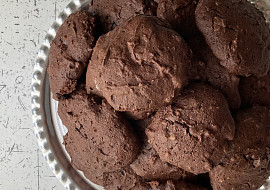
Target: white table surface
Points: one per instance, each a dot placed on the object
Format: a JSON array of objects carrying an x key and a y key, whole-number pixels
[{"x": 23, "y": 25}]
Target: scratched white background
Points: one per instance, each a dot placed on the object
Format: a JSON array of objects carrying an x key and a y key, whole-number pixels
[{"x": 23, "y": 25}]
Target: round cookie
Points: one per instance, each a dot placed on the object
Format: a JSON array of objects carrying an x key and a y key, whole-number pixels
[
  {"x": 255, "y": 90},
  {"x": 70, "y": 52},
  {"x": 248, "y": 165},
  {"x": 180, "y": 14},
  {"x": 212, "y": 72},
  {"x": 193, "y": 133},
  {"x": 139, "y": 70},
  {"x": 237, "y": 34},
  {"x": 108, "y": 140},
  {"x": 115, "y": 13},
  {"x": 149, "y": 166}
]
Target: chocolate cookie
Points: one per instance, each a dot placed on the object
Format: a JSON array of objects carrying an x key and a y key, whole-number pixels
[
  {"x": 169, "y": 185},
  {"x": 70, "y": 52},
  {"x": 81, "y": 158},
  {"x": 64, "y": 74},
  {"x": 102, "y": 138},
  {"x": 248, "y": 165},
  {"x": 194, "y": 131},
  {"x": 115, "y": 13},
  {"x": 255, "y": 90},
  {"x": 180, "y": 14},
  {"x": 237, "y": 34},
  {"x": 124, "y": 179},
  {"x": 149, "y": 166},
  {"x": 212, "y": 72},
  {"x": 139, "y": 70}
]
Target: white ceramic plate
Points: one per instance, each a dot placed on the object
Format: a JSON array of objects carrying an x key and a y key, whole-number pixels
[{"x": 48, "y": 127}]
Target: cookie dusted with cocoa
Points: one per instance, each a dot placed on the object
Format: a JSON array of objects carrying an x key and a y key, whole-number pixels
[
  {"x": 194, "y": 132},
  {"x": 139, "y": 70},
  {"x": 180, "y": 14},
  {"x": 115, "y": 13},
  {"x": 247, "y": 166},
  {"x": 237, "y": 33},
  {"x": 213, "y": 72},
  {"x": 70, "y": 52},
  {"x": 102, "y": 138}
]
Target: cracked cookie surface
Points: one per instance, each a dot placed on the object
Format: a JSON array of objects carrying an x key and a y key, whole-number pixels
[
  {"x": 149, "y": 166},
  {"x": 237, "y": 33},
  {"x": 70, "y": 52},
  {"x": 193, "y": 133},
  {"x": 102, "y": 138},
  {"x": 140, "y": 66}
]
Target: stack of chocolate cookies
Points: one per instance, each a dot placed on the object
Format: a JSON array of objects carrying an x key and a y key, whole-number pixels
[{"x": 165, "y": 94}]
